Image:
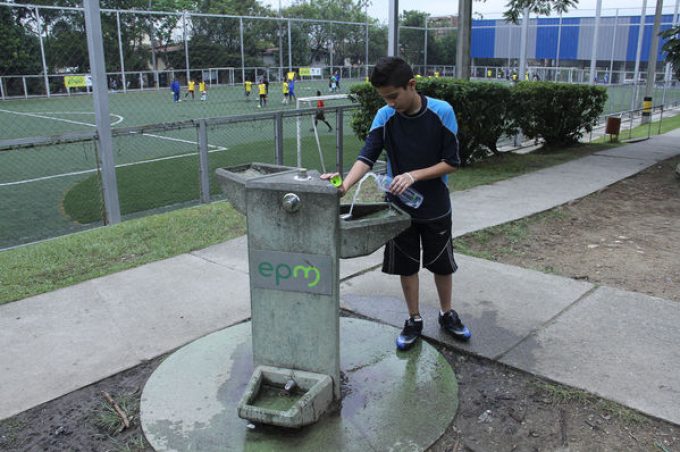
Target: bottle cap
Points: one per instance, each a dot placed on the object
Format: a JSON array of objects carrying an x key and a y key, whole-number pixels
[{"x": 336, "y": 180}]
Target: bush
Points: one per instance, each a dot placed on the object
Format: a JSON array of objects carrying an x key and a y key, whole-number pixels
[
  {"x": 486, "y": 112},
  {"x": 559, "y": 113}
]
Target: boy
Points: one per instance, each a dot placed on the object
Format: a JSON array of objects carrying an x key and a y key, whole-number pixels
[
  {"x": 174, "y": 87},
  {"x": 248, "y": 87},
  {"x": 320, "y": 115},
  {"x": 291, "y": 90},
  {"x": 419, "y": 135},
  {"x": 262, "y": 91},
  {"x": 190, "y": 89},
  {"x": 204, "y": 92},
  {"x": 284, "y": 89}
]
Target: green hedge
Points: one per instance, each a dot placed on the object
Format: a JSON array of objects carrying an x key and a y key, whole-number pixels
[
  {"x": 488, "y": 111},
  {"x": 559, "y": 113}
]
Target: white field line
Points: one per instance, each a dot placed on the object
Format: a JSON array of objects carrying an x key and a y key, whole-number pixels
[
  {"x": 122, "y": 165},
  {"x": 40, "y": 114},
  {"x": 75, "y": 173},
  {"x": 120, "y": 119}
]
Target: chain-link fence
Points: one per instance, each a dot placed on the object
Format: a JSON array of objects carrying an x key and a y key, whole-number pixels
[{"x": 53, "y": 186}]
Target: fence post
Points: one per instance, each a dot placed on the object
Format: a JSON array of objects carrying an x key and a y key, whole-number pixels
[
  {"x": 2, "y": 89},
  {"x": 95, "y": 49},
  {"x": 339, "y": 135},
  {"x": 278, "y": 136},
  {"x": 203, "y": 168}
]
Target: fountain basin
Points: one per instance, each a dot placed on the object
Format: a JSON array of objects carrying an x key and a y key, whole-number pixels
[
  {"x": 264, "y": 400},
  {"x": 233, "y": 180},
  {"x": 370, "y": 226}
]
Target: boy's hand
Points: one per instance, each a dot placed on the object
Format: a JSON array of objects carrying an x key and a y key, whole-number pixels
[
  {"x": 401, "y": 183},
  {"x": 329, "y": 176}
]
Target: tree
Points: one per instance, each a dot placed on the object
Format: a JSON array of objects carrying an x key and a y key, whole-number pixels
[
  {"x": 17, "y": 45},
  {"x": 542, "y": 7},
  {"x": 672, "y": 47},
  {"x": 324, "y": 39},
  {"x": 412, "y": 41}
]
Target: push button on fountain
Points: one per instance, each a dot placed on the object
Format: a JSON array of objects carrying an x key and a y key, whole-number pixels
[{"x": 291, "y": 202}]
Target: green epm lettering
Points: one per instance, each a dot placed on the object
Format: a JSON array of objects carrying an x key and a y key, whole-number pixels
[{"x": 306, "y": 270}]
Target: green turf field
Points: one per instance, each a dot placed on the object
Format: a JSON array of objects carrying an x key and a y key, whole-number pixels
[{"x": 51, "y": 190}]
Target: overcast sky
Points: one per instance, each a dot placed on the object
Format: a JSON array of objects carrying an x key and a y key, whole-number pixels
[{"x": 492, "y": 9}]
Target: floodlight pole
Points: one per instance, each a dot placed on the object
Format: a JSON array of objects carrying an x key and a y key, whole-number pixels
[
  {"x": 593, "y": 53},
  {"x": 638, "y": 54},
  {"x": 393, "y": 29},
  {"x": 120, "y": 53},
  {"x": 243, "y": 57},
  {"x": 42, "y": 52},
  {"x": 95, "y": 49},
  {"x": 186, "y": 47},
  {"x": 523, "y": 45},
  {"x": 651, "y": 60}
]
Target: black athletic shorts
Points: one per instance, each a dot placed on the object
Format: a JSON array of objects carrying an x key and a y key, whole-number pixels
[{"x": 402, "y": 254}]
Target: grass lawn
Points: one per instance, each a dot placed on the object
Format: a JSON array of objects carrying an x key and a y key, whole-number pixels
[{"x": 67, "y": 260}]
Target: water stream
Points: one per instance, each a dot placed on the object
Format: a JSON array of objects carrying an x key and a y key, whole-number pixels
[{"x": 348, "y": 216}]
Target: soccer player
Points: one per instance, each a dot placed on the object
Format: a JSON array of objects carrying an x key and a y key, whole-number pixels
[
  {"x": 247, "y": 88},
  {"x": 320, "y": 115},
  {"x": 285, "y": 91},
  {"x": 262, "y": 91},
  {"x": 203, "y": 90},
  {"x": 174, "y": 87},
  {"x": 190, "y": 89}
]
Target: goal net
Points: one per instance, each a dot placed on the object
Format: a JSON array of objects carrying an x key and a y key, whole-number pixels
[{"x": 314, "y": 118}]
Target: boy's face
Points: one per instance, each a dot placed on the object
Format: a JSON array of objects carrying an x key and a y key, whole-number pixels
[{"x": 404, "y": 100}]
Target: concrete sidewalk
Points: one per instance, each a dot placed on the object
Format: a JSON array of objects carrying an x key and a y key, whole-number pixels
[{"x": 617, "y": 344}]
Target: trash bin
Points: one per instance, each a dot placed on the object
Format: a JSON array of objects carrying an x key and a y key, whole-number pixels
[{"x": 613, "y": 126}]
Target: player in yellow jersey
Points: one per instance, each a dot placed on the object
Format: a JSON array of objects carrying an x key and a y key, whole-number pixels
[
  {"x": 202, "y": 89},
  {"x": 285, "y": 90},
  {"x": 247, "y": 88},
  {"x": 262, "y": 91},
  {"x": 191, "y": 86}
]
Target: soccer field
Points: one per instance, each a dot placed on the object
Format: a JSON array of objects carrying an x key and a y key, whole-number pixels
[{"x": 51, "y": 190}]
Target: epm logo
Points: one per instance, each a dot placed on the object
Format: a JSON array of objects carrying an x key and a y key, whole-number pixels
[{"x": 295, "y": 272}]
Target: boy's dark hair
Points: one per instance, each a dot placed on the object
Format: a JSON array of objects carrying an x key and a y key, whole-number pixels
[{"x": 391, "y": 71}]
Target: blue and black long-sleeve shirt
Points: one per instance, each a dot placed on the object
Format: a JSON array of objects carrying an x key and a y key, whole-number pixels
[{"x": 416, "y": 142}]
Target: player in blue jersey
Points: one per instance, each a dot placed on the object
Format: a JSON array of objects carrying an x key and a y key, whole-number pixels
[{"x": 419, "y": 135}]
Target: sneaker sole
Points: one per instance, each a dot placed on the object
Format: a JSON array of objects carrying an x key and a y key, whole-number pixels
[
  {"x": 464, "y": 335},
  {"x": 405, "y": 344}
]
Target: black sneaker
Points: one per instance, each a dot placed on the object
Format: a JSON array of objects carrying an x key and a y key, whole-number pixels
[
  {"x": 452, "y": 325},
  {"x": 413, "y": 326}
]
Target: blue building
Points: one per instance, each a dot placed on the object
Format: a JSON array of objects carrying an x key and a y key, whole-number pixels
[{"x": 567, "y": 40}]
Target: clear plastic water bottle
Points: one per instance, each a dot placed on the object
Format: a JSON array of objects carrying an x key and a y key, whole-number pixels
[{"x": 410, "y": 197}]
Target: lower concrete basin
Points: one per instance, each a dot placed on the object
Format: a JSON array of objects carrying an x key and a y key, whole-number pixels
[
  {"x": 369, "y": 227},
  {"x": 267, "y": 400}
]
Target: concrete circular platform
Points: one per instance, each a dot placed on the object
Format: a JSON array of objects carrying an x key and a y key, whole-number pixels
[{"x": 391, "y": 400}]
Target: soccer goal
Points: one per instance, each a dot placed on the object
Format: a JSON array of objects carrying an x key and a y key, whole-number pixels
[{"x": 310, "y": 102}]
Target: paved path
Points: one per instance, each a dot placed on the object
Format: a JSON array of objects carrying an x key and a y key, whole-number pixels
[{"x": 617, "y": 344}]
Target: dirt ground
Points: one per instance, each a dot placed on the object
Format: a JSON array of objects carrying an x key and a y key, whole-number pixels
[{"x": 626, "y": 236}]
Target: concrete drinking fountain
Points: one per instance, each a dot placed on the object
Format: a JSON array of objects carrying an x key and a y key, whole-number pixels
[{"x": 287, "y": 371}]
